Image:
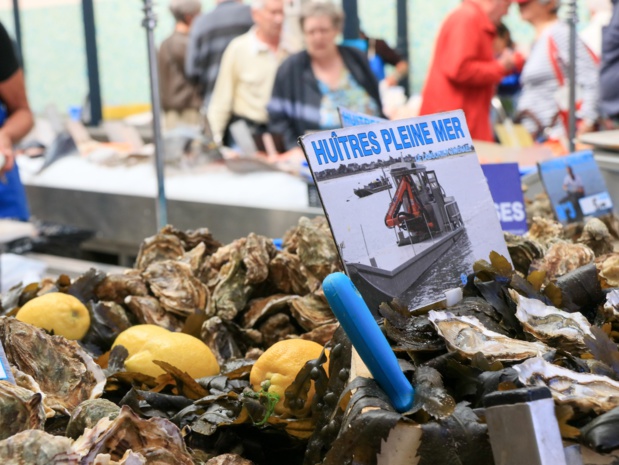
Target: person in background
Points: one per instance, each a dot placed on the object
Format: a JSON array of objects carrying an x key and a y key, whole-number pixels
[
  {"x": 573, "y": 185},
  {"x": 18, "y": 123},
  {"x": 547, "y": 66},
  {"x": 509, "y": 88},
  {"x": 609, "y": 72},
  {"x": 310, "y": 85},
  {"x": 464, "y": 71},
  {"x": 381, "y": 54},
  {"x": 600, "y": 12},
  {"x": 247, "y": 73},
  {"x": 180, "y": 98},
  {"x": 209, "y": 36}
]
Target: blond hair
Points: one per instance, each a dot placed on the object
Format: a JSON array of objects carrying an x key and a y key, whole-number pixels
[{"x": 316, "y": 8}]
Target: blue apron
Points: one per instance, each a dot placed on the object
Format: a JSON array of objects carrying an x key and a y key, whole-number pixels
[{"x": 13, "y": 203}]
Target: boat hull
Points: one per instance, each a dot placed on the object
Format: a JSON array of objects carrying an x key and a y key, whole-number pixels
[
  {"x": 365, "y": 191},
  {"x": 382, "y": 285}
]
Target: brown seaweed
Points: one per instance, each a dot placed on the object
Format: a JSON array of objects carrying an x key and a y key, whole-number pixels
[
  {"x": 602, "y": 434},
  {"x": 107, "y": 320}
]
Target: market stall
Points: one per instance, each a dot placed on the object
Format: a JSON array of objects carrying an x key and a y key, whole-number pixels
[{"x": 117, "y": 202}]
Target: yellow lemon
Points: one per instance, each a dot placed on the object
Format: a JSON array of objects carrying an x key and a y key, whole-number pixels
[
  {"x": 58, "y": 312},
  {"x": 280, "y": 365},
  {"x": 146, "y": 343}
]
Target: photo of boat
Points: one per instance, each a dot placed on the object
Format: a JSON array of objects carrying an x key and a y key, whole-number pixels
[
  {"x": 379, "y": 185},
  {"x": 421, "y": 214}
]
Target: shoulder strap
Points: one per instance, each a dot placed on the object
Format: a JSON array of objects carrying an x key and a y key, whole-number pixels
[{"x": 553, "y": 53}]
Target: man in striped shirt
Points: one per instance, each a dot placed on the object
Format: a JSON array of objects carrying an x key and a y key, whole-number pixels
[{"x": 209, "y": 36}]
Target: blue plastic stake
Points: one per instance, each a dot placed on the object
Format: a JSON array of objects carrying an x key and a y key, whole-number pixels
[{"x": 367, "y": 338}]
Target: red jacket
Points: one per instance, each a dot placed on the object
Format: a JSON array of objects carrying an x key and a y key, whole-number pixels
[{"x": 464, "y": 72}]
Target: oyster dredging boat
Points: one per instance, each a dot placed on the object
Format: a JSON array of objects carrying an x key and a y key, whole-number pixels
[{"x": 423, "y": 216}]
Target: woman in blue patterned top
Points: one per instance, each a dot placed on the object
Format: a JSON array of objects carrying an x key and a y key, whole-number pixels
[{"x": 310, "y": 85}]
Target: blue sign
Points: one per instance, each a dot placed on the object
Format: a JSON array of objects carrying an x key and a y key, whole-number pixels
[
  {"x": 575, "y": 187},
  {"x": 506, "y": 189}
]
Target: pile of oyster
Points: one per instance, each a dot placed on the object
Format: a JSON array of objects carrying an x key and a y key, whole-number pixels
[{"x": 76, "y": 402}]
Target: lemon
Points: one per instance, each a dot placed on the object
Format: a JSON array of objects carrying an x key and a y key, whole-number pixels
[
  {"x": 280, "y": 365},
  {"x": 58, "y": 312},
  {"x": 146, "y": 343}
]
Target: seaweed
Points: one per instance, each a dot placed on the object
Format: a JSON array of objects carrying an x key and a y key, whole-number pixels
[
  {"x": 581, "y": 291},
  {"x": 295, "y": 396},
  {"x": 83, "y": 288},
  {"x": 430, "y": 394},
  {"x": 107, "y": 321},
  {"x": 459, "y": 439},
  {"x": 603, "y": 348},
  {"x": 602, "y": 434}
]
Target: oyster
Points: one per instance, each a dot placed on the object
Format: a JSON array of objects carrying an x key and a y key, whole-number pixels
[
  {"x": 611, "y": 306},
  {"x": 312, "y": 311},
  {"x": 540, "y": 206},
  {"x": 597, "y": 237},
  {"x": 157, "y": 439},
  {"x": 116, "y": 287},
  {"x": 467, "y": 336},
  {"x": 552, "y": 326},
  {"x": 130, "y": 458},
  {"x": 562, "y": 258},
  {"x": 224, "y": 254},
  {"x": 65, "y": 373},
  {"x": 27, "y": 382},
  {"x": 228, "y": 459},
  {"x": 20, "y": 409},
  {"x": 256, "y": 257},
  {"x": 192, "y": 238},
  {"x": 259, "y": 309},
  {"x": 276, "y": 328},
  {"x": 35, "y": 447},
  {"x": 316, "y": 249},
  {"x": 608, "y": 270},
  {"x": 222, "y": 342},
  {"x": 523, "y": 251},
  {"x": 321, "y": 334},
  {"x": 157, "y": 248},
  {"x": 194, "y": 258},
  {"x": 148, "y": 311},
  {"x": 177, "y": 289},
  {"x": 87, "y": 415},
  {"x": 232, "y": 292},
  {"x": 582, "y": 390},
  {"x": 545, "y": 231},
  {"x": 286, "y": 274}
]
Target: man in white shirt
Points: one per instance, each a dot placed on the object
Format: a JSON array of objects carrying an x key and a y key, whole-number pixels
[{"x": 247, "y": 72}]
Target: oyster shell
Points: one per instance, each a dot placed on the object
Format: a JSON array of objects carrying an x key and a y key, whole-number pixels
[
  {"x": 157, "y": 439},
  {"x": 611, "y": 306},
  {"x": 562, "y": 258},
  {"x": 467, "y": 336},
  {"x": 259, "y": 309},
  {"x": 27, "y": 382},
  {"x": 225, "y": 253},
  {"x": 148, "y": 310},
  {"x": 286, "y": 274},
  {"x": 276, "y": 328},
  {"x": 545, "y": 231},
  {"x": 312, "y": 311},
  {"x": 551, "y": 325},
  {"x": 157, "y": 248},
  {"x": 582, "y": 390},
  {"x": 130, "y": 458},
  {"x": 321, "y": 334},
  {"x": 608, "y": 270},
  {"x": 20, "y": 409},
  {"x": 523, "y": 251},
  {"x": 597, "y": 237},
  {"x": 222, "y": 342},
  {"x": 192, "y": 238},
  {"x": 87, "y": 415},
  {"x": 317, "y": 250},
  {"x": 65, "y": 373},
  {"x": 256, "y": 257},
  {"x": 177, "y": 289},
  {"x": 35, "y": 447},
  {"x": 540, "y": 206},
  {"x": 194, "y": 258},
  {"x": 116, "y": 287},
  {"x": 228, "y": 459},
  {"x": 232, "y": 292}
]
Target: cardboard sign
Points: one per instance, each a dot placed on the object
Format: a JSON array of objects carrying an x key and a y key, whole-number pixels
[
  {"x": 503, "y": 181},
  {"x": 506, "y": 189},
  {"x": 575, "y": 187},
  {"x": 408, "y": 205}
]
